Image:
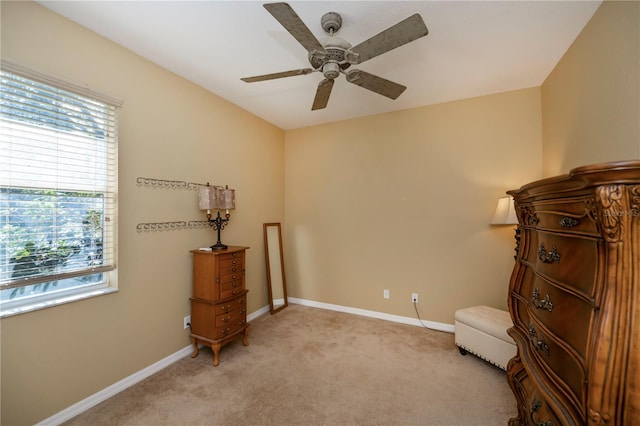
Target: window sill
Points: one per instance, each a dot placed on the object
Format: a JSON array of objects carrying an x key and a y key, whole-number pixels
[{"x": 37, "y": 305}]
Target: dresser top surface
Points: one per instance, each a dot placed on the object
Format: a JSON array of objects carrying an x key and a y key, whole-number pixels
[
  {"x": 230, "y": 249},
  {"x": 581, "y": 178}
]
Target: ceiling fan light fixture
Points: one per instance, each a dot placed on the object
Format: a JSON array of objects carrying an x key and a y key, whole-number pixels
[{"x": 331, "y": 70}]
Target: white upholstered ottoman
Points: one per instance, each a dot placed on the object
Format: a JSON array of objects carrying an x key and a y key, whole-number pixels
[{"x": 482, "y": 331}]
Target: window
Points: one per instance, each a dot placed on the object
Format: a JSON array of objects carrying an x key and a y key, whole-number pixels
[{"x": 58, "y": 178}]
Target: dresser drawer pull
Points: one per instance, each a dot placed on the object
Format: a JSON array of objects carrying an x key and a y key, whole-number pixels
[
  {"x": 225, "y": 308},
  {"x": 234, "y": 261},
  {"x": 541, "y": 304},
  {"x": 534, "y": 408},
  {"x": 569, "y": 222},
  {"x": 548, "y": 256},
  {"x": 234, "y": 285},
  {"x": 538, "y": 344},
  {"x": 225, "y": 331},
  {"x": 227, "y": 319}
]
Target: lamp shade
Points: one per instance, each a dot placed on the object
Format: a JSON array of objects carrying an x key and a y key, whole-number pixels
[
  {"x": 226, "y": 198},
  {"x": 505, "y": 212},
  {"x": 206, "y": 198}
]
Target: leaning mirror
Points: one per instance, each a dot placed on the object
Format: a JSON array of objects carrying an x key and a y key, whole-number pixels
[{"x": 275, "y": 267}]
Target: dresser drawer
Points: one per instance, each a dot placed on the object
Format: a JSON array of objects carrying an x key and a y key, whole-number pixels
[
  {"x": 555, "y": 359},
  {"x": 231, "y": 288},
  {"x": 232, "y": 317},
  {"x": 231, "y": 270},
  {"x": 539, "y": 411},
  {"x": 231, "y": 305},
  {"x": 530, "y": 246},
  {"x": 569, "y": 260},
  {"x": 558, "y": 310},
  {"x": 231, "y": 276},
  {"x": 229, "y": 328},
  {"x": 569, "y": 215},
  {"x": 521, "y": 315},
  {"x": 232, "y": 259}
]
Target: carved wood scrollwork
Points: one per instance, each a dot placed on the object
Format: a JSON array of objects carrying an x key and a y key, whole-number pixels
[
  {"x": 529, "y": 216},
  {"x": 609, "y": 199},
  {"x": 635, "y": 201}
]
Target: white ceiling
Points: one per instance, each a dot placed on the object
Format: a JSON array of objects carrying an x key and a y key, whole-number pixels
[{"x": 473, "y": 48}]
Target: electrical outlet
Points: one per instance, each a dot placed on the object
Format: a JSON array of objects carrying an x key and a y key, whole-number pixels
[
  {"x": 385, "y": 294},
  {"x": 187, "y": 321},
  {"x": 414, "y": 297}
]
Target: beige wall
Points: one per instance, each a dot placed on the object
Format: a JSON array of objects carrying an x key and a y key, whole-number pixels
[
  {"x": 591, "y": 100},
  {"x": 169, "y": 129},
  {"x": 399, "y": 201},
  {"x": 403, "y": 202}
]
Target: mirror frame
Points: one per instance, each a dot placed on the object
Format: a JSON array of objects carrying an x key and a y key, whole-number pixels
[{"x": 269, "y": 274}]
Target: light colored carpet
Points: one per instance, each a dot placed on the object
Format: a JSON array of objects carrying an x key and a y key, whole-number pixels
[{"x": 317, "y": 367}]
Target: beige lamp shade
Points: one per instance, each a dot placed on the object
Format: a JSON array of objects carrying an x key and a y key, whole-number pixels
[
  {"x": 505, "y": 212},
  {"x": 216, "y": 197},
  {"x": 226, "y": 198},
  {"x": 206, "y": 199}
]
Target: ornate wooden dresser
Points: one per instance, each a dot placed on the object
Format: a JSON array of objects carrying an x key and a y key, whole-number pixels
[
  {"x": 219, "y": 302},
  {"x": 574, "y": 298}
]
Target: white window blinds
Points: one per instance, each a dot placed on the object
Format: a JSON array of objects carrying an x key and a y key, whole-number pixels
[{"x": 58, "y": 180}]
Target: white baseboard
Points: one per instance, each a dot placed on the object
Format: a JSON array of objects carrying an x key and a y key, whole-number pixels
[
  {"x": 108, "y": 392},
  {"x": 115, "y": 388},
  {"x": 256, "y": 314},
  {"x": 449, "y": 328}
]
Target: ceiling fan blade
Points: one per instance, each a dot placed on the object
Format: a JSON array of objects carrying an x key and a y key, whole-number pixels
[
  {"x": 376, "y": 84},
  {"x": 322, "y": 94},
  {"x": 290, "y": 20},
  {"x": 292, "y": 73},
  {"x": 401, "y": 33}
]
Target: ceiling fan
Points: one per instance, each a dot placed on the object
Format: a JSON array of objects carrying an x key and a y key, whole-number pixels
[{"x": 334, "y": 55}]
